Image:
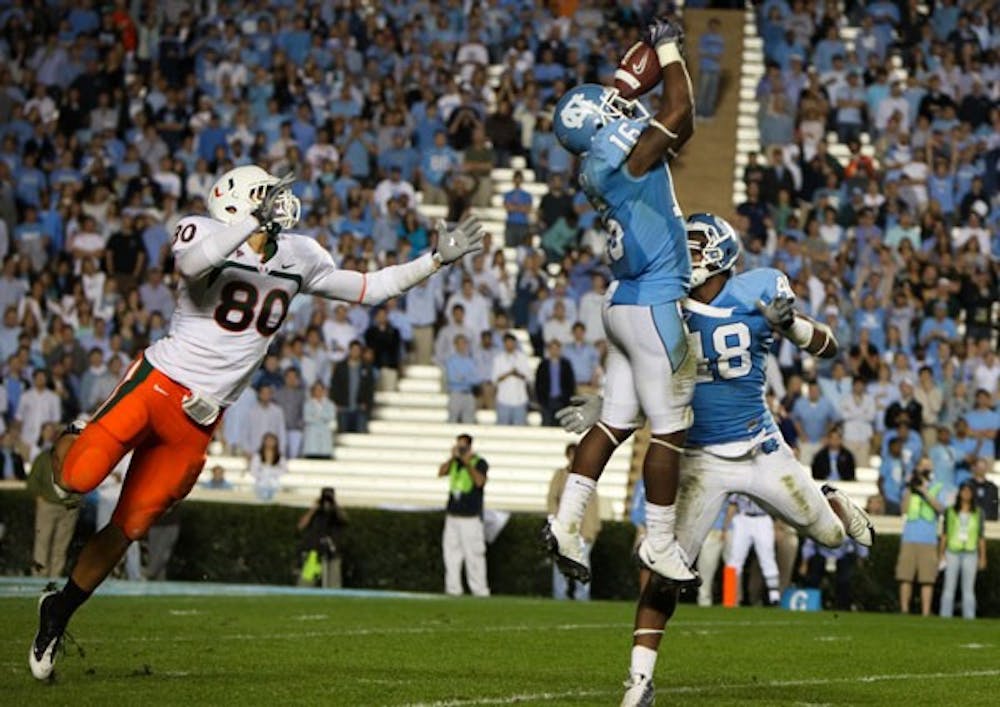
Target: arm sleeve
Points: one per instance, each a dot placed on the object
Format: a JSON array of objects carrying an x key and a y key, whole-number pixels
[
  {"x": 365, "y": 288},
  {"x": 198, "y": 249}
]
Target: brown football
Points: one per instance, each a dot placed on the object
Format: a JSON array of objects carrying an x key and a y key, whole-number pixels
[{"x": 638, "y": 72}]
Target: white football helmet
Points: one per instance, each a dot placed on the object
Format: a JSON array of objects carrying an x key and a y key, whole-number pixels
[{"x": 239, "y": 191}]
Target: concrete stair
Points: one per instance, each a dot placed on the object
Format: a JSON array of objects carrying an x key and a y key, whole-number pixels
[
  {"x": 702, "y": 173},
  {"x": 395, "y": 464}
]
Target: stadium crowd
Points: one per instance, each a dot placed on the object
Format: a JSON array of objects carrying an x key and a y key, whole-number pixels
[
  {"x": 895, "y": 247},
  {"x": 115, "y": 121}
]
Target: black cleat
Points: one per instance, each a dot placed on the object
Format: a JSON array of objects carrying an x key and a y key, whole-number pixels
[{"x": 42, "y": 656}]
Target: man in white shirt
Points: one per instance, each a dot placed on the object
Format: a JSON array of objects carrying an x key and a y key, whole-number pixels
[
  {"x": 37, "y": 406},
  {"x": 558, "y": 328},
  {"x": 476, "y": 307},
  {"x": 858, "y": 411},
  {"x": 591, "y": 305},
  {"x": 511, "y": 373},
  {"x": 338, "y": 333},
  {"x": 893, "y": 103},
  {"x": 444, "y": 345},
  {"x": 265, "y": 416},
  {"x": 393, "y": 185}
]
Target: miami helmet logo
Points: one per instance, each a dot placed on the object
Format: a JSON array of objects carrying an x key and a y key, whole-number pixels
[{"x": 576, "y": 111}]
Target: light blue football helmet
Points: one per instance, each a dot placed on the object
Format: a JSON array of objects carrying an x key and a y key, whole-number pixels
[
  {"x": 713, "y": 244},
  {"x": 585, "y": 109}
]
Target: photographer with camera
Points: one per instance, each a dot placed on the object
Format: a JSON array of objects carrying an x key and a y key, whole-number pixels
[
  {"x": 463, "y": 541},
  {"x": 922, "y": 502},
  {"x": 321, "y": 527}
]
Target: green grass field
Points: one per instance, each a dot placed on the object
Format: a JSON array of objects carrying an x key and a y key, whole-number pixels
[{"x": 446, "y": 652}]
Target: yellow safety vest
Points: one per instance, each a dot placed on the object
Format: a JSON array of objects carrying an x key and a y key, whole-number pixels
[
  {"x": 919, "y": 508},
  {"x": 952, "y": 527}
]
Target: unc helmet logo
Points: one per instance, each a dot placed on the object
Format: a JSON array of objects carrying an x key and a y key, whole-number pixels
[
  {"x": 575, "y": 112},
  {"x": 585, "y": 109}
]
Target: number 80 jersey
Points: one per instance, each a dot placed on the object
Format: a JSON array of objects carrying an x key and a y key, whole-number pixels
[
  {"x": 731, "y": 340},
  {"x": 647, "y": 240},
  {"x": 225, "y": 319}
]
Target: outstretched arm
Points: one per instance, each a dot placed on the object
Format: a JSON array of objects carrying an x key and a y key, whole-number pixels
[
  {"x": 803, "y": 331},
  {"x": 673, "y": 124},
  {"x": 348, "y": 285},
  {"x": 209, "y": 250}
]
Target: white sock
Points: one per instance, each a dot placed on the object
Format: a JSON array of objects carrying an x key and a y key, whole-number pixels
[
  {"x": 643, "y": 661},
  {"x": 660, "y": 523},
  {"x": 575, "y": 496}
]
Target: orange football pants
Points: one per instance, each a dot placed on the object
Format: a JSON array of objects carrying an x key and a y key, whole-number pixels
[{"x": 143, "y": 414}]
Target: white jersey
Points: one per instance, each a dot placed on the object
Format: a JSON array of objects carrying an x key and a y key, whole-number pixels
[{"x": 226, "y": 319}]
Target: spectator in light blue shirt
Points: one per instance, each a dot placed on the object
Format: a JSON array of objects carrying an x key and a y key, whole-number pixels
[
  {"x": 923, "y": 500},
  {"x": 582, "y": 356},
  {"x": 892, "y": 474},
  {"x": 401, "y": 156},
  {"x": 983, "y": 421},
  {"x": 944, "y": 458},
  {"x": 710, "y": 48},
  {"x": 461, "y": 375},
  {"x": 812, "y": 416},
  {"x": 830, "y": 46},
  {"x": 519, "y": 206},
  {"x": 29, "y": 181},
  {"x": 941, "y": 186},
  {"x": 938, "y": 328}
]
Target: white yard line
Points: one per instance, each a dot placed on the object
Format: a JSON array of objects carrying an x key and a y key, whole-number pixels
[
  {"x": 416, "y": 630},
  {"x": 717, "y": 687}
]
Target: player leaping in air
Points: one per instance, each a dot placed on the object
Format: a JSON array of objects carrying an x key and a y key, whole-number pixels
[
  {"x": 734, "y": 445},
  {"x": 239, "y": 271},
  {"x": 624, "y": 173}
]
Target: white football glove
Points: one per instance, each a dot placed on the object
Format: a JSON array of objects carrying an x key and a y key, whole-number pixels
[
  {"x": 465, "y": 238},
  {"x": 581, "y": 414},
  {"x": 779, "y": 312}
]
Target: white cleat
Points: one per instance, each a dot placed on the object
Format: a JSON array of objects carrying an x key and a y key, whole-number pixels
[
  {"x": 42, "y": 655},
  {"x": 566, "y": 546},
  {"x": 857, "y": 523},
  {"x": 670, "y": 562},
  {"x": 639, "y": 692}
]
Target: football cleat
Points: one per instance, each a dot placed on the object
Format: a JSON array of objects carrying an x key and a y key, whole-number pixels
[
  {"x": 42, "y": 656},
  {"x": 669, "y": 562},
  {"x": 857, "y": 522},
  {"x": 639, "y": 691},
  {"x": 566, "y": 547}
]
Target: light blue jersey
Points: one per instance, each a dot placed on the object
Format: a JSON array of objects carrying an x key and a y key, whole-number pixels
[
  {"x": 647, "y": 241},
  {"x": 731, "y": 341}
]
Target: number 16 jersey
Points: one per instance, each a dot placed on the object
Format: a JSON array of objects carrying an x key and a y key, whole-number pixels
[
  {"x": 647, "y": 240},
  {"x": 225, "y": 319}
]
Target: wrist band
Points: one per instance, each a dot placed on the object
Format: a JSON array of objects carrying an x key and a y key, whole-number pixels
[
  {"x": 801, "y": 332},
  {"x": 668, "y": 54}
]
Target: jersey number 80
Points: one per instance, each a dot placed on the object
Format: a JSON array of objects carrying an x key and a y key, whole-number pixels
[{"x": 240, "y": 299}]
